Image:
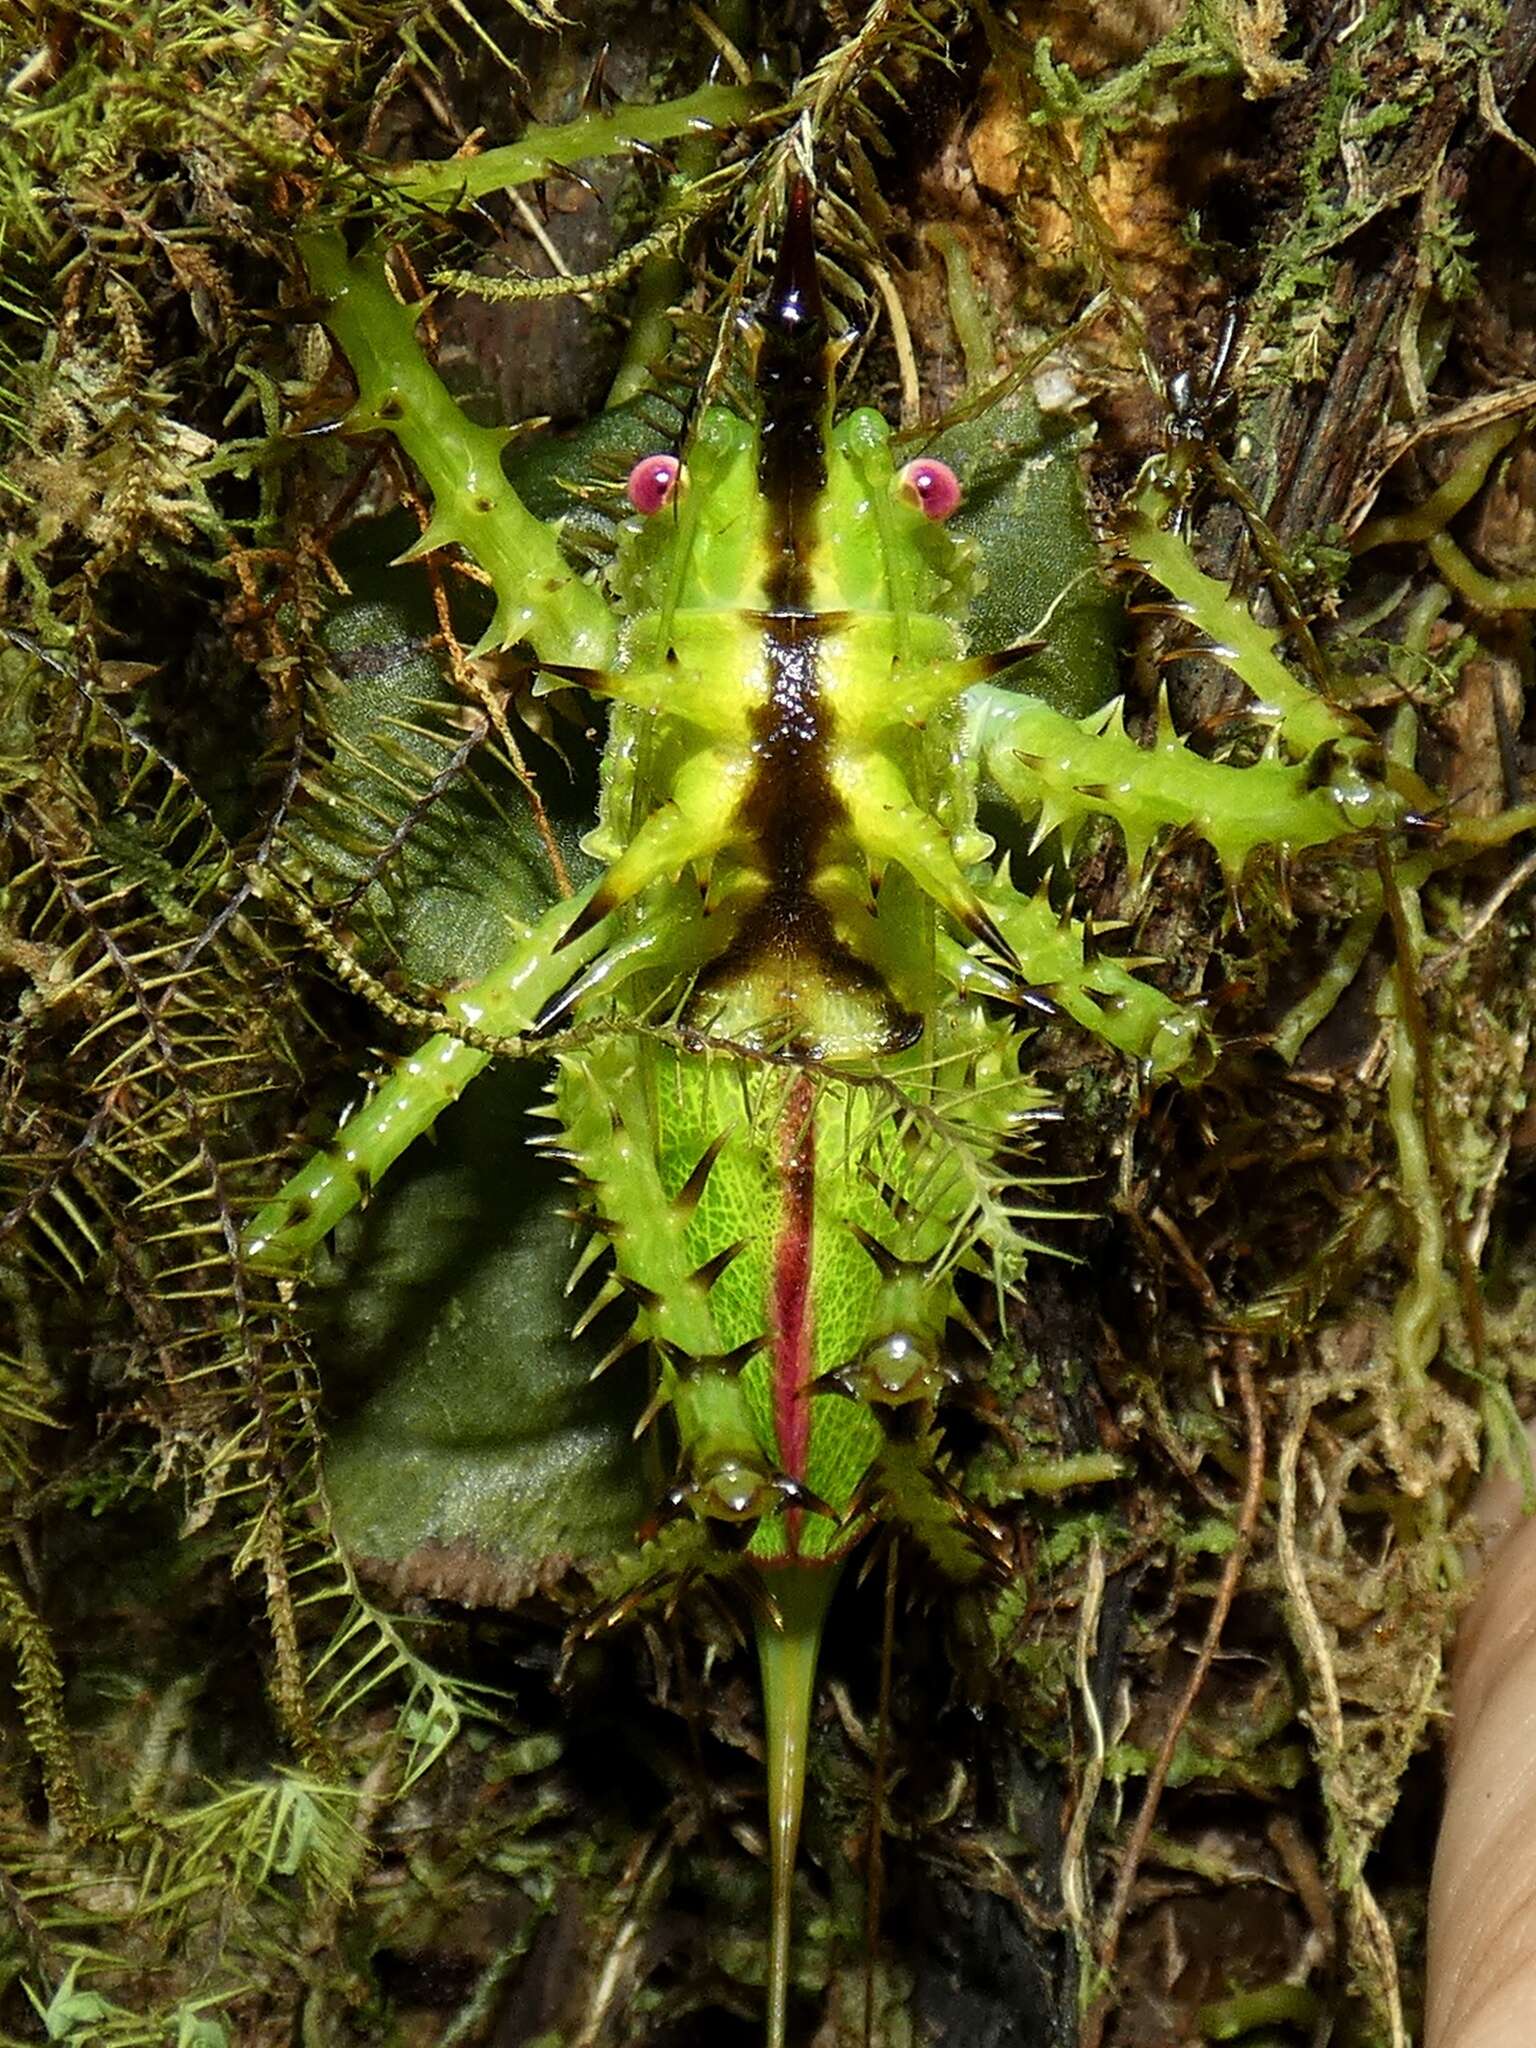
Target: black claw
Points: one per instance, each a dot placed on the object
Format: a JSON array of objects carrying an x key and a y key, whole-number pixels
[{"x": 984, "y": 666}]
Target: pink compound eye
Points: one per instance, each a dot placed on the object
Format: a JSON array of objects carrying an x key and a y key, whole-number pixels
[
  {"x": 931, "y": 486},
  {"x": 652, "y": 483}
]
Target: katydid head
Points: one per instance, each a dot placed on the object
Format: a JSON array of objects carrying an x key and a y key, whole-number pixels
[
  {"x": 794, "y": 389},
  {"x": 805, "y": 466},
  {"x": 792, "y": 510}
]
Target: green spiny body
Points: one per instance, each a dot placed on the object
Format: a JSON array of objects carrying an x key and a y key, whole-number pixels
[
  {"x": 785, "y": 1017},
  {"x": 787, "y": 684}
]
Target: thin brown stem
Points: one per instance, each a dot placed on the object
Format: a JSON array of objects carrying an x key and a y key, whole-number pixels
[
  {"x": 1226, "y": 1592},
  {"x": 474, "y": 685},
  {"x": 874, "y": 1860}
]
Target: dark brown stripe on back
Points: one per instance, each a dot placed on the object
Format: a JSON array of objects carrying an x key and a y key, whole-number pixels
[
  {"x": 788, "y": 809},
  {"x": 790, "y": 805},
  {"x": 794, "y": 371}
]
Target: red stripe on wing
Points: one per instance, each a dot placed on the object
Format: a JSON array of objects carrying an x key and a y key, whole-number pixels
[{"x": 790, "y": 1286}]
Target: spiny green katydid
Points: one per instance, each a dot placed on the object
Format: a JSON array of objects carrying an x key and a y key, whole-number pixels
[{"x": 789, "y": 1019}]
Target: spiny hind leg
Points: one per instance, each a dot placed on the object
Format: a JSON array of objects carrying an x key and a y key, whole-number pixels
[
  {"x": 1055, "y": 957},
  {"x": 341, "y": 1174}
]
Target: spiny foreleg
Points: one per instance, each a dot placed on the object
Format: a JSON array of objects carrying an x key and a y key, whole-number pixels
[
  {"x": 1304, "y": 719},
  {"x": 1061, "y": 773},
  {"x": 540, "y": 597}
]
